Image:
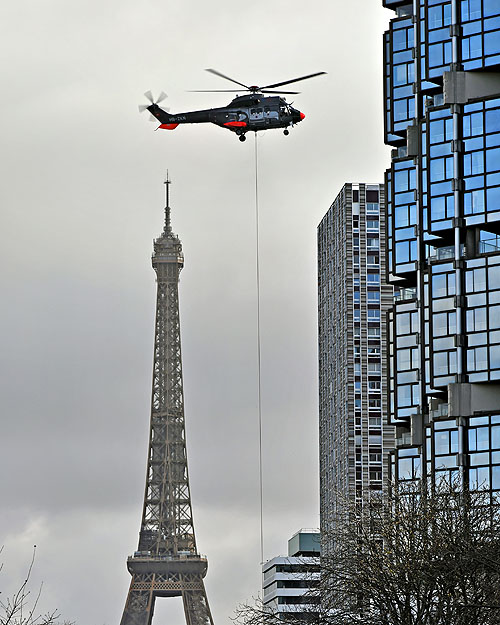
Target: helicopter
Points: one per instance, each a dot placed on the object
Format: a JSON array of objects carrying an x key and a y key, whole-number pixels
[{"x": 253, "y": 111}]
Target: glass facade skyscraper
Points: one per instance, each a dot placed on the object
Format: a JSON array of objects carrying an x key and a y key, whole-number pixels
[
  {"x": 442, "y": 118},
  {"x": 352, "y": 306}
]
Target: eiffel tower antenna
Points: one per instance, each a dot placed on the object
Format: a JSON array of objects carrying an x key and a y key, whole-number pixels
[
  {"x": 167, "y": 562},
  {"x": 168, "y": 225}
]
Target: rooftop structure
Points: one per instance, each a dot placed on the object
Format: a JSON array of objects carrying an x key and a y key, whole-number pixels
[{"x": 289, "y": 581}]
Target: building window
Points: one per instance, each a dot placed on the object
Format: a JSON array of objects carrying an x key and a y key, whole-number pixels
[{"x": 484, "y": 453}]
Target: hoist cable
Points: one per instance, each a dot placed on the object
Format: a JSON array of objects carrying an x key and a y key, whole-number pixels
[{"x": 259, "y": 394}]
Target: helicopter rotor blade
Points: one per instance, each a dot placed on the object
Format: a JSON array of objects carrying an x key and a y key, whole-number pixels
[
  {"x": 161, "y": 97},
  {"x": 214, "y": 71},
  {"x": 287, "y": 82},
  {"x": 213, "y": 90},
  {"x": 149, "y": 96},
  {"x": 143, "y": 107},
  {"x": 280, "y": 92}
]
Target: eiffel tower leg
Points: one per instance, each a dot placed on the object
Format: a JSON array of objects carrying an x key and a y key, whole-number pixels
[
  {"x": 139, "y": 606},
  {"x": 196, "y": 607}
]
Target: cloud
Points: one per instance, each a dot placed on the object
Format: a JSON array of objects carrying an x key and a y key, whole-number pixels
[{"x": 82, "y": 199}]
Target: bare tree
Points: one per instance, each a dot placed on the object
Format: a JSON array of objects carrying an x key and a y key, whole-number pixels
[
  {"x": 21, "y": 608},
  {"x": 411, "y": 559}
]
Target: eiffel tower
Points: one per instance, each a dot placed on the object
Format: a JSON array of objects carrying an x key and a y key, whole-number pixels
[{"x": 167, "y": 562}]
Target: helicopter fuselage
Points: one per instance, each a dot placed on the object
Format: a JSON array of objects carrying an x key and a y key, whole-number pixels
[{"x": 244, "y": 113}]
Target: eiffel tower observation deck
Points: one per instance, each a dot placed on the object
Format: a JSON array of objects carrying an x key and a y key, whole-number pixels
[{"x": 167, "y": 562}]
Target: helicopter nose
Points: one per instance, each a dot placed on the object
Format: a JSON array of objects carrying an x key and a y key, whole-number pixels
[{"x": 302, "y": 116}]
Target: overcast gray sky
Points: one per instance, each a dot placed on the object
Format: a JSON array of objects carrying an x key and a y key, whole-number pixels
[{"x": 82, "y": 198}]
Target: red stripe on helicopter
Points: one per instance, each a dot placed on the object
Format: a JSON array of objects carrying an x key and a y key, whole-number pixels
[
  {"x": 168, "y": 126},
  {"x": 236, "y": 124}
]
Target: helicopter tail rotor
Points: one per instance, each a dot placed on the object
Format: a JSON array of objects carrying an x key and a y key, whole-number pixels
[{"x": 149, "y": 96}]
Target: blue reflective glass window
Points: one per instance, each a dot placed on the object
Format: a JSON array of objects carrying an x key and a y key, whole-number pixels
[
  {"x": 437, "y": 169},
  {"x": 436, "y": 57},
  {"x": 441, "y": 363},
  {"x": 495, "y": 437},
  {"x": 491, "y": 7},
  {"x": 404, "y": 395},
  {"x": 435, "y": 17},
  {"x": 495, "y": 477},
  {"x": 399, "y": 39},
  {"x": 494, "y": 315},
  {"x": 495, "y": 357},
  {"x": 439, "y": 285},
  {"x": 438, "y": 211},
  {"x": 475, "y": 280},
  {"x": 473, "y": 202},
  {"x": 400, "y": 110},
  {"x": 493, "y": 199},
  {"x": 440, "y": 324},
  {"x": 436, "y": 131},
  {"x": 442, "y": 442},
  {"x": 401, "y": 216},
  {"x": 472, "y": 47},
  {"x": 401, "y": 180},
  {"x": 447, "y": 14},
  {"x": 493, "y": 120},
  {"x": 400, "y": 76},
  {"x": 448, "y": 54},
  {"x": 405, "y": 468},
  {"x": 473, "y": 163},
  {"x": 473, "y": 124},
  {"x": 492, "y": 42},
  {"x": 493, "y": 160},
  {"x": 471, "y": 9},
  {"x": 479, "y": 478},
  {"x": 402, "y": 252},
  {"x": 476, "y": 319},
  {"x": 449, "y": 167},
  {"x": 494, "y": 277},
  {"x": 479, "y": 439}
]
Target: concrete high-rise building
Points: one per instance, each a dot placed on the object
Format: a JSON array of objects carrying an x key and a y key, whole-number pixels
[
  {"x": 442, "y": 95},
  {"x": 289, "y": 582},
  {"x": 353, "y": 302}
]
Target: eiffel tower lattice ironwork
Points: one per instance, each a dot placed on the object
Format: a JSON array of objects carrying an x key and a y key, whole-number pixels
[{"x": 167, "y": 563}]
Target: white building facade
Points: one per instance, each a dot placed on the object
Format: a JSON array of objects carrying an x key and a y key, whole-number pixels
[{"x": 289, "y": 582}]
